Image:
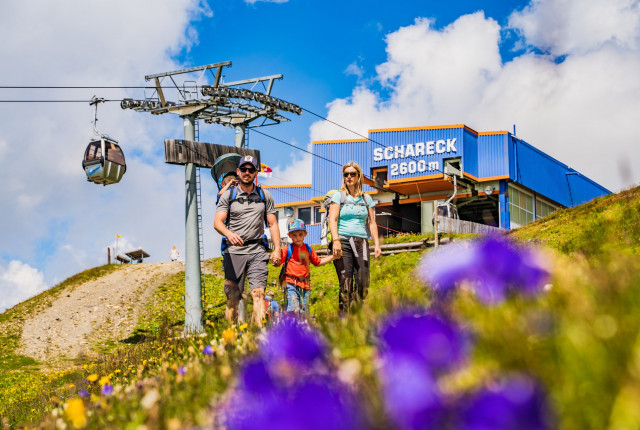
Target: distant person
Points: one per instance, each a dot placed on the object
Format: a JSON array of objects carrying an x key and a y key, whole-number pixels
[
  {"x": 240, "y": 217},
  {"x": 271, "y": 305},
  {"x": 174, "y": 254},
  {"x": 351, "y": 221},
  {"x": 296, "y": 273}
]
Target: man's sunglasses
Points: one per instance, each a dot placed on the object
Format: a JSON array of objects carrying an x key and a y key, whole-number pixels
[
  {"x": 247, "y": 169},
  {"x": 347, "y": 174}
]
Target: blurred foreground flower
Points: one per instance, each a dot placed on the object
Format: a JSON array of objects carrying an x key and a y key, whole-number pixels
[
  {"x": 414, "y": 350},
  {"x": 76, "y": 413},
  {"x": 514, "y": 403},
  {"x": 434, "y": 341},
  {"x": 289, "y": 385},
  {"x": 294, "y": 341},
  {"x": 493, "y": 266}
]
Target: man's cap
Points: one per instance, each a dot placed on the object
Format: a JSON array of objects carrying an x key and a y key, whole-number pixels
[
  {"x": 249, "y": 159},
  {"x": 296, "y": 225}
]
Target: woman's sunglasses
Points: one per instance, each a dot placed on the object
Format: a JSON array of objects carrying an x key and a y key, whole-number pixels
[
  {"x": 352, "y": 174},
  {"x": 247, "y": 169}
]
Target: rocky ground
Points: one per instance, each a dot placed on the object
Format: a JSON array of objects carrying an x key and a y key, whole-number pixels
[{"x": 98, "y": 311}]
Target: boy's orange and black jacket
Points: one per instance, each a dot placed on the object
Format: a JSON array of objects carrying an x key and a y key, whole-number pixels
[{"x": 298, "y": 272}]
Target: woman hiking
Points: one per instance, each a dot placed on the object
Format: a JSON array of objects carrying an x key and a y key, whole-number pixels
[{"x": 351, "y": 222}]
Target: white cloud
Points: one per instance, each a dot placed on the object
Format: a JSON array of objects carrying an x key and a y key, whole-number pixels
[
  {"x": 578, "y": 26},
  {"x": 296, "y": 170},
  {"x": 354, "y": 69},
  {"x": 582, "y": 110},
  {"x": 18, "y": 282},
  {"x": 52, "y": 219}
]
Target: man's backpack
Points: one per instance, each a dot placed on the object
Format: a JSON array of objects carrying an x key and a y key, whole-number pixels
[
  {"x": 224, "y": 244},
  {"x": 325, "y": 231}
]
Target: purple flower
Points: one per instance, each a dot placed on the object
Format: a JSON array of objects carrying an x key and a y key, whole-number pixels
[
  {"x": 411, "y": 396},
  {"x": 289, "y": 385},
  {"x": 208, "y": 350},
  {"x": 319, "y": 402},
  {"x": 493, "y": 266},
  {"x": 83, "y": 393},
  {"x": 107, "y": 389},
  {"x": 433, "y": 341},
  {"x": 515, "y": 403},
  {"x": 415, "y": 347},
  {"x": 293, "y": 341},
  {"x": 182, "y": 370}
]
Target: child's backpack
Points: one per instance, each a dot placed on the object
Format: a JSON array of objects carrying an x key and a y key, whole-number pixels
[
  {"x": 283, "y": 271},
  {"x": 325, "y": 231}
]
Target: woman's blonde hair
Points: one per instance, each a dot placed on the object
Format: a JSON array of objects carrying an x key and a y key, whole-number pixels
[{"x": 358, "y": 186}]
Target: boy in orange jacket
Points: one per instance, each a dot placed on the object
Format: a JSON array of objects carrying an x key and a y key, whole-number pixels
[{"x": 295, "y": 273}]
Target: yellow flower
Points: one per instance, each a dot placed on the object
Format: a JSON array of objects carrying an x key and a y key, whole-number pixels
[
  {"x": 76, "y": 413},
  {"x": 104, "y": 380},
  {"x": 92, "y": 378},
  {"x": 244, "y": 326},
  {"x": 229, "y": 335},
  {"x": 116, "y": 371}
]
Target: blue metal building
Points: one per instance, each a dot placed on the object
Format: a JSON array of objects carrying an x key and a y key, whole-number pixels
[{"x": 492, "y": 178}]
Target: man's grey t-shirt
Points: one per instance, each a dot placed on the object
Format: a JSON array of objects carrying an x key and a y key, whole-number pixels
[{"x": 247, "y": 219}]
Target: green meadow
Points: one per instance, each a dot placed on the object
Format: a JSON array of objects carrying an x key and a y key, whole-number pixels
[{"x": 580, "y": 338}]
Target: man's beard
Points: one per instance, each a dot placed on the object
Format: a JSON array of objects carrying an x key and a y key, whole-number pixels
[{"x": 246, "y": 181}]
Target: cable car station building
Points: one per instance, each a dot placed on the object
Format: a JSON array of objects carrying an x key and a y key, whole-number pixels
[{"x": 490, "y": 178}]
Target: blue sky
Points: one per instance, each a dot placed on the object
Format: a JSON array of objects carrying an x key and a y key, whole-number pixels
[
  {"x": 319, "y": 47},
  {"x": 563, "y": 71}
]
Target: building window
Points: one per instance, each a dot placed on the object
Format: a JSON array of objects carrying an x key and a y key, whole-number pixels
[
  {"x": 543, "y": 209},
  {"x": 317, "y": 215},
  {"x": 520, "y": 207},
  {"x": 380, "y": 176},
  {"x": 305, "y": 215}
]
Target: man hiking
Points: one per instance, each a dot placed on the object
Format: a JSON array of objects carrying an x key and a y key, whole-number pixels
[{"x": 243, "y": 211}]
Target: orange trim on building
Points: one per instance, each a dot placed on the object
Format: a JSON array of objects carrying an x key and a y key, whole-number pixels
[
  {"x": 301, "y": 203},
  {"x": 431, "y": 127},
  {"x": 286, "y": 186},
  {"x": 322, "y": 142},
  {"x": 488, "y": 133},
  {"x": 489, "y": 178}
]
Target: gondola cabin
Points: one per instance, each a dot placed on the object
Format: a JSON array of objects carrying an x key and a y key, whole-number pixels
[{"x": 104, "y": 162}]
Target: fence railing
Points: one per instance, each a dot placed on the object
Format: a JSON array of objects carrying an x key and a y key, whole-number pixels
[{"x": 451, "y": 225}]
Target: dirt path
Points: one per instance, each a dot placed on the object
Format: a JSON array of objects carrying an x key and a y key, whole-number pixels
[{"x": 99, "y": 310}]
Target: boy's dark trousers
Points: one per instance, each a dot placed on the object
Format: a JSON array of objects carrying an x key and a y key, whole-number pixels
[{"x": 353, "y": 273}]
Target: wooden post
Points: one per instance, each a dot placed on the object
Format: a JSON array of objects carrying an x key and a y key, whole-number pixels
[
  {"x": 435, "y": 223},
  {"x": 108, "y": 255}
]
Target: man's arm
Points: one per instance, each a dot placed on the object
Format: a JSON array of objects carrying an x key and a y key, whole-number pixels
[
  {"x": 275, "y": 237},
  {"x": 218, "y": 224}
]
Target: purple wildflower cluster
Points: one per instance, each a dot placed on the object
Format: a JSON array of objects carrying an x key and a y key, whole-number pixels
[
  {"x": 494, "y": 267},
  {"x": 416, "y": 350},
  {"x": 290, "y": 385}
]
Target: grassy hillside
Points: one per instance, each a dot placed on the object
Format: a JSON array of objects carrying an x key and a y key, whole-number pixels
[
  {"x": 580, "y": 338},
  {"x": 606, "y": 224}
]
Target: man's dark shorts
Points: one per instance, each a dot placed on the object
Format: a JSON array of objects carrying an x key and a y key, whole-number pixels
[{"x": 254, "y": 265}]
